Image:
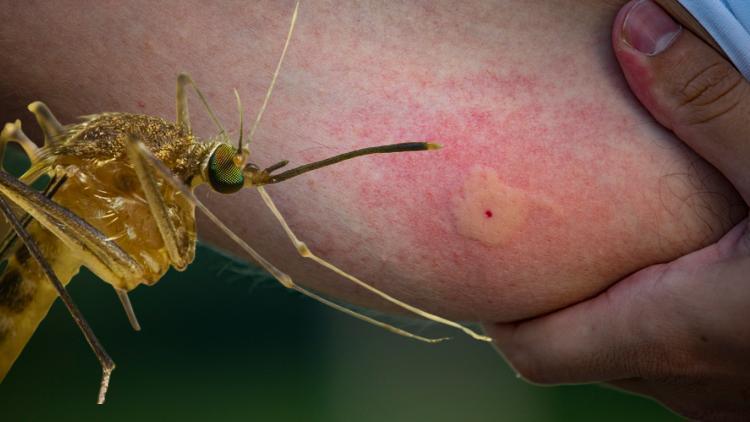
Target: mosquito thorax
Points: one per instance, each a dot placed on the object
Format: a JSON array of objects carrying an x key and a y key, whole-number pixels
[{"x": 222, "y": 172}]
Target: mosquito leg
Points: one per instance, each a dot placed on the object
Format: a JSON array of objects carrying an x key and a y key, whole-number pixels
[
  {"x": 280, "y": 276},
  {"x": 12, "y": 133},
  {"x": 183, "y": 80},
  {"x": 365, "y": 318},
  {"x": 125, "y": 300},
  {"x": 183, "y": 116},
  {"x": 50, "y": 126},
  {"x": 6, "y": 136},
  {"x": 106, "y": 362},
  {"x": 102, "y": 256},
  {"x": 305, "y": 252},
  {"x": 177, "y": 247},
  {"x": 8, "y": 244}
]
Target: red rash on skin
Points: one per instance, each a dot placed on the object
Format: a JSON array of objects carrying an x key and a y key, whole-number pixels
[
  {"x": 488, "y": 214},
  {"x": 578, "y": 161},
  {"x": 541, "y": 149},
  {"x": 525, "y": 97}
]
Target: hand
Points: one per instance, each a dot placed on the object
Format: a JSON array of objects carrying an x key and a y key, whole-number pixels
[{"x": 678, "y": 332}]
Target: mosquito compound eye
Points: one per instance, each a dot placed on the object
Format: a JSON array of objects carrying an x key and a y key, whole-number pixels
[{"x": 223, "y": 174}]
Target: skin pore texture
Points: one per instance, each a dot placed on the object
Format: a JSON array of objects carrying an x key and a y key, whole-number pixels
[{"x": 552, "y": 183}]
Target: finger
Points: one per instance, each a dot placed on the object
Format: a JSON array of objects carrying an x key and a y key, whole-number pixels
[
  {"x": 688, "y": 86},
  {"x": 597, "y": 340}
]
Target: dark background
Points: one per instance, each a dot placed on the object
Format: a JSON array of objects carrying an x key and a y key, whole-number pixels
[{"x": 222, "y": 341}]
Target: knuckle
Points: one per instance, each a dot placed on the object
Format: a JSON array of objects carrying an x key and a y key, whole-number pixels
[{"x": 710, "y": 93}]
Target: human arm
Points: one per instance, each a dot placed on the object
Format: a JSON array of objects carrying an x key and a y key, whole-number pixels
[{"x": 536, "y": 122}]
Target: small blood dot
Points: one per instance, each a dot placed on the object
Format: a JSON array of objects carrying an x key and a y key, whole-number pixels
[
  {"x": 488, "y": 213},
  {"x": 141, "y": 104}
]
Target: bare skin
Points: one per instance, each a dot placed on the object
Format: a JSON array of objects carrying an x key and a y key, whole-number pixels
[
  {"x": 674, "y": 331},
  {"x": 553, "y": 183}
]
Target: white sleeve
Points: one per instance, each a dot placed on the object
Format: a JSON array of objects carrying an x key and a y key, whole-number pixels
[{"x": 728, "y": 22}]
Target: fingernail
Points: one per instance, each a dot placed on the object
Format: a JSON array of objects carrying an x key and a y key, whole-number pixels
[{"x": 649, "y": 29}]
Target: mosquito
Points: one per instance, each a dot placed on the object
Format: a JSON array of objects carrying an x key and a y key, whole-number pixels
[{"x": 120, "y": 202}]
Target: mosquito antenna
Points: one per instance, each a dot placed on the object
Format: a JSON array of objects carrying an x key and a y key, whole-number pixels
[
  {"x": 241, "y": 156},
  {"x": 275, "y": 75}
]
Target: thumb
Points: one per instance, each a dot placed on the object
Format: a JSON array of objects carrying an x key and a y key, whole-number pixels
[{"x": 688, "y": 87}]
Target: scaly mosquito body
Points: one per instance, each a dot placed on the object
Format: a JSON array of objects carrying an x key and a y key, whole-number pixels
[
  {"x": 120, "y": 202},
  {"x": 101, "y": 187}
]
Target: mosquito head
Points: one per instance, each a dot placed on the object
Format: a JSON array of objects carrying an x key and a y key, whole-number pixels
[
  {"x": 227, "y": 169},
  {"x": 222, "y": 170}
]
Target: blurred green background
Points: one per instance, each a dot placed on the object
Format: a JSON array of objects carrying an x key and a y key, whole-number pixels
[{"x": 222, "y": 341}]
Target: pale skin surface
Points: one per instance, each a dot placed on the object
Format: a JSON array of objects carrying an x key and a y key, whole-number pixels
[{"x": 552, "y": 185}]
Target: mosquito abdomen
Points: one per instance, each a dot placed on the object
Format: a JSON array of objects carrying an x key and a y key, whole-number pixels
[{"x": 26, "y": 295}]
